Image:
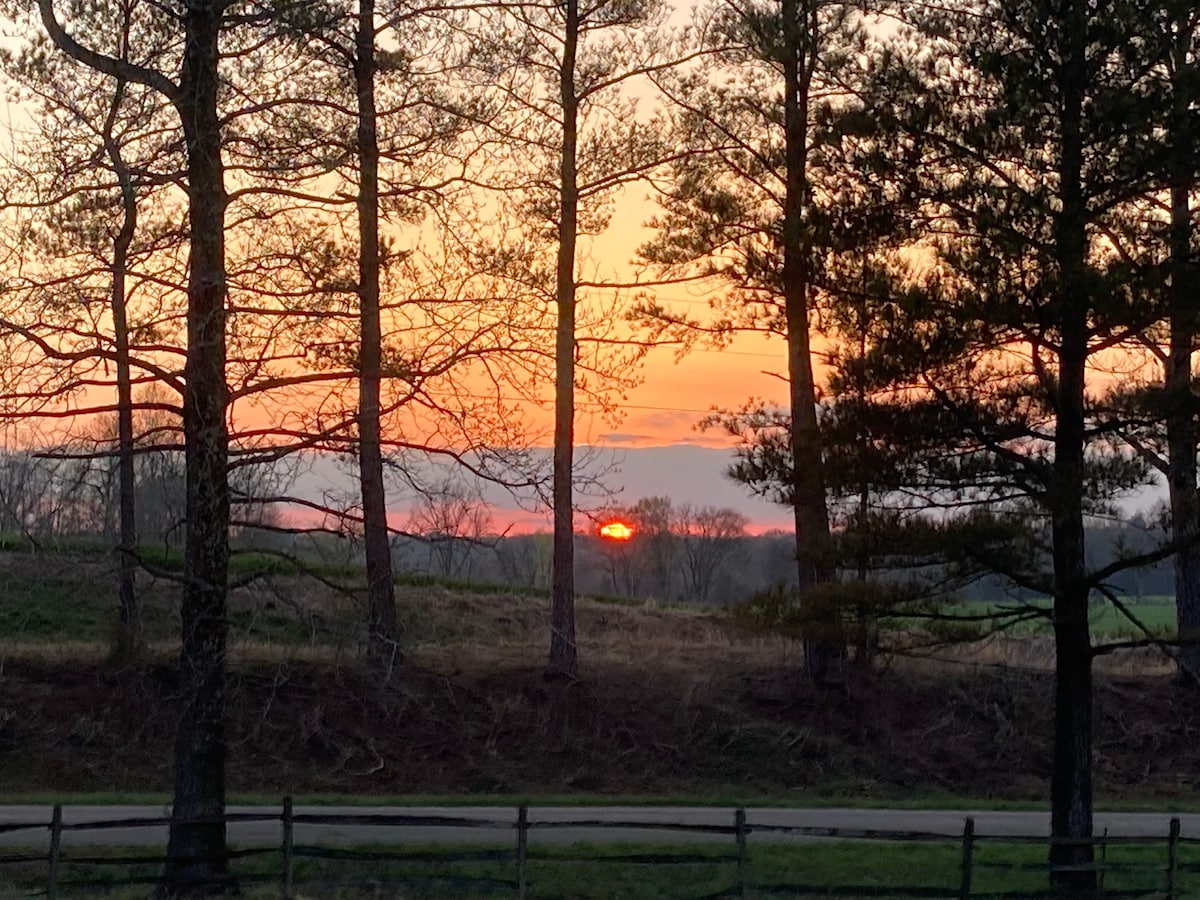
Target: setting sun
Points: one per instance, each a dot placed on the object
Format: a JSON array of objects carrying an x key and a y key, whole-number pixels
[{"x": 616, "y": 531}]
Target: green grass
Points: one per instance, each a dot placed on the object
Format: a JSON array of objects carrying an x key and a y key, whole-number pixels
[
  {"x": 67, "y": 593},
  {"x": 1157, "y": 615},
  {"x": 592, "y": 872},
  {"x": 51, "y": 607},
  {"x": 1108, "y": 623},
  {"x": 485, "y": 588}
]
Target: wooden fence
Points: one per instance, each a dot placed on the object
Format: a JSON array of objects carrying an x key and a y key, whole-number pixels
[{"x": 733, "y": 860}]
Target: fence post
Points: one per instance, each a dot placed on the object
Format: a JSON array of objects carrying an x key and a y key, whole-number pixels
[
  {"x": 289, "y": 883},
  {"x": 1172, "y": 858},
  {"x": 55, "y": 852},
  {"x": 522, "y": 849},
  {"x": 968, "y": 852},
  {"x": 1103, "y": 858},
  {"x": 739, "y": 821}
]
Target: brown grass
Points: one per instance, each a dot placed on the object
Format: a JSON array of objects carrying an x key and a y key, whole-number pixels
[{"x": 670, "y": 701}]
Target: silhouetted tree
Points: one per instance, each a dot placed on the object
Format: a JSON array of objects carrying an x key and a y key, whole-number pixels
[
  {"x": 573, "y": 140},
  {"x": 777, "y": 186},
  {"x": 196, "y": 852},
  {"x": 1034, "y": 128}
]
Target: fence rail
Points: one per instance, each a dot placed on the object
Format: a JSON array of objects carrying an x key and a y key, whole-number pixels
[{"x": 520, "y": 855}]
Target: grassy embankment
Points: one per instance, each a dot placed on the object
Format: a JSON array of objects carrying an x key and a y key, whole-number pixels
[{"x": 674, "y": 705}]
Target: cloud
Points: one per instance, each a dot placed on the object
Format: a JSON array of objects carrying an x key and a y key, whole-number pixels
[
  {"x": 688, "y": 472},
  {"x": 712, "y": 440},
  {"x": 669, "y": 421},
  {"x": 618, "y": 437}
]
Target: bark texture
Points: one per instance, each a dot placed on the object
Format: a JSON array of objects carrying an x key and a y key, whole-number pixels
[
  {"x": 1071, "y": 778},
  {"x": 196, "y": 849},
  {"x": 563, "y": 660},
  {"x": 197, "y": 864},
  {"x": 381, "y": 592},
  {"x": 129, "y": 626},
  {"x": 1182, "y": 433},
  {"x": 1182, "y": 438},
  {"x": 821, "y": 644}
]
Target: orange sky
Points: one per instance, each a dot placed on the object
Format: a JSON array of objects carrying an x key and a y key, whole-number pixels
[{"x": 674, "y": 396}]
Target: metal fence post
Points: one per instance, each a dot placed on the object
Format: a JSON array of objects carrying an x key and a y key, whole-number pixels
[
  {"x": 289, "y": 882},
  {"x": 739, "y": 821},
  {"x": 968, "y": 853},
  {"x": 522, "y": 849},
  {"x": 1172, "y": 858},
  {"x": 55, "y": 852}
]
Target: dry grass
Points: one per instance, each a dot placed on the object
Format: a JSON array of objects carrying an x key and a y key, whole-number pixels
[
  {"x": 486, "y": 633},
  {"x": 1036, "y": 653},
  {"x": 670, "y": 701}
]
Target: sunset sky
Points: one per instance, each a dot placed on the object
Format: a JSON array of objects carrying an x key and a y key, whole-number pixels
[
  {"x": 675, "y": 395},
  {"x": 656, "y": 446},
  {"x": 662, "y": 411}
]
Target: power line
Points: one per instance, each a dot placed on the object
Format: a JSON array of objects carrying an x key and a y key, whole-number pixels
[
  {"x": 778, "y": 357},
  {"x": 643, "y": 407}
]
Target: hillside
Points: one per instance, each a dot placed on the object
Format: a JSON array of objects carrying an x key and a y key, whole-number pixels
[{"x": 671, "y": 702}]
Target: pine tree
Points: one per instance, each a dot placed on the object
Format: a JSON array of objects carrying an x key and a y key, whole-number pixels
[
  {"x": 776, "y": 190},
  {"x": 1035, "y": 122}
]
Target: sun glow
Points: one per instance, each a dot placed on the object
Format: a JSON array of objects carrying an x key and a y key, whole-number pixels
[{"x": 616, "y": 531}]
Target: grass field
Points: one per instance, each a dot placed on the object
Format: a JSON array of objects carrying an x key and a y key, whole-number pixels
[
  {"x": 673, "y": 705},
  {"x": 66, "y": 595},
  {"x": 1156, "y": 614},
  {"x": 595, "y": 872}
]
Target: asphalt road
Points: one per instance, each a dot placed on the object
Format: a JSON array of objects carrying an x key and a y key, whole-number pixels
[{"x": 495, "y": 825}]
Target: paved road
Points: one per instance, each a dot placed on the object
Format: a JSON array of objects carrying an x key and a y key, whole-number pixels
[{"x": 411, "y": 824}]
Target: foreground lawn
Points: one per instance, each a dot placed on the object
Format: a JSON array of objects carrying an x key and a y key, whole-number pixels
[{"x": 844, "y": 869}]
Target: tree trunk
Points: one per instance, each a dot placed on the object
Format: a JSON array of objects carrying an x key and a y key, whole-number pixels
[
  {"x": 196, "y": 850},
  {"x": 821, "y": 641},
  {"x": 563, "y": 661},
  {"x": 197, "y": 863},
  {"x": 1182, "y": 436},
  {"x": 381, "y": 592},
  {"x": 1071, "y": 779},
  {"x": 129, "y": 627},
  {"x": 1182, "y": 440}
]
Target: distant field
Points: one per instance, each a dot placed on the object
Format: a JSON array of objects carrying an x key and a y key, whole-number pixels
[
  {"x": 66, "y": 593},
  {"x": 1156, "y": 615}
]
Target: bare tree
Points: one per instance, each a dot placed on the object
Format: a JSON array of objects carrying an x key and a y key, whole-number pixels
[
  {"x": 451, "y": 516},
  {"x": 573, "y": 138},
  {"x": 657, "y": 542},
  {"x": 89, "y": 167},
  {"x": 406, "y": 349},
  {"x": 709, "y": 538}
]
